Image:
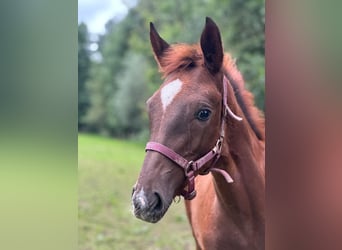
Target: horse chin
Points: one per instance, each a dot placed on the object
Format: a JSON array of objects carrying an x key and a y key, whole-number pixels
[{"x": 150, "y": 217}]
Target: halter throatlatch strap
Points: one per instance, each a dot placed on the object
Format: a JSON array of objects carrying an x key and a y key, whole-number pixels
[
  {"x": 225, "y": 102},
  {"x": 194, "y": 168}
]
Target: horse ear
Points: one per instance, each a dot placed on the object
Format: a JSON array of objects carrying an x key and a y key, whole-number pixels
[
  {"x": 211, "y": 45},
  {"x": 158, "y": 43}
]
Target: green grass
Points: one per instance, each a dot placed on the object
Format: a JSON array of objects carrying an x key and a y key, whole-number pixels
[{"x": 107, "y": 171}]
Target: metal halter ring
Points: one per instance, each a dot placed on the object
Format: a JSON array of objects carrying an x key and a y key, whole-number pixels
[
  {"x": 218, "y": 146},
  {"x": 189, "y": 171}
]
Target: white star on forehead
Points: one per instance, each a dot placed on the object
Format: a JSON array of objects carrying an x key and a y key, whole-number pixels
[{"x": 169, "y": 92}]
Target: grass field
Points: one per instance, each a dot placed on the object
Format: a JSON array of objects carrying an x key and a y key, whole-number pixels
[{"x": 107, "y": 170}]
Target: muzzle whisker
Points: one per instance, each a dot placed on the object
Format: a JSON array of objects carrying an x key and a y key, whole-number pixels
[{"x": 177, "y": 199}]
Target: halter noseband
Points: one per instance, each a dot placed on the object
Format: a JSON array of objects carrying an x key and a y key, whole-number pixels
[{"x": 194, "y": 168}]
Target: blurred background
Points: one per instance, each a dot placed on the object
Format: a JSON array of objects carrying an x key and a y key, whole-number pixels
[{"x": 116, "y": 75}]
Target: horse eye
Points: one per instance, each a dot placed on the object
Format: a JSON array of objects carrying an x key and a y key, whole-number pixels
[{"x": 203, "y": 114}]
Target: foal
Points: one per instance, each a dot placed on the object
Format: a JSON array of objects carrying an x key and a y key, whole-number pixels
[{"x": 202, "y": 119}]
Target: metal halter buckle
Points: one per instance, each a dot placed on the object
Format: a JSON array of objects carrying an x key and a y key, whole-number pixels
[
  {"x": 218, "y": 146},
  {"x": 189, "y": 171},
  {"x": 190, "y": 191}
]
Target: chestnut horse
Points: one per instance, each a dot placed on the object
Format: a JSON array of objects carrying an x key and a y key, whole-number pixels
[{"x": 202, "y": 119}]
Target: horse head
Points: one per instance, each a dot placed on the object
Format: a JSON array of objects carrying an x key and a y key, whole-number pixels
[{"x": 185, "y": 115}]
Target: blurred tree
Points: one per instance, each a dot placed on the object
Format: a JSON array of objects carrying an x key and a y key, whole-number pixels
[
  {"x": 97, "y": 86},
  {"x": 104, "y": 80},
  {"x": 247, "y": 20},
  {"x": 126, "y": 107},
  {"x": 83, "y": 72}
]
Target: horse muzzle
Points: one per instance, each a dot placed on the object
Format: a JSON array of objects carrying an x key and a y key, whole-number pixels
[{"x": 148, "y": 206}]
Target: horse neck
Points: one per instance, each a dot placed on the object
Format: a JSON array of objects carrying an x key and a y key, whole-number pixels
[{"x": 243, "y": 159}]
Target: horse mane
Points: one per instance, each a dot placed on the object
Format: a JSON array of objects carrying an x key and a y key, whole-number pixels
[
  {"x": 184, "y": 57},
  {"x": 244, "y": 97}
]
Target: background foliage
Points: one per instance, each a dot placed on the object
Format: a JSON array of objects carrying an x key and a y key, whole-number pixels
[{"x": 113, "y": 88}]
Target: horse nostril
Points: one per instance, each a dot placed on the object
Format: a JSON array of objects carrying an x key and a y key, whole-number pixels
[{"x": 158, "y": 203}]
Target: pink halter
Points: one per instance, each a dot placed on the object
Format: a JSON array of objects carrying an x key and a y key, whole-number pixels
[{"x": 194, "y": 168}]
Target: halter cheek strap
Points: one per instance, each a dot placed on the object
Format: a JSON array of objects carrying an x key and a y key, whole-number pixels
[{"x": 194, "y": 168}]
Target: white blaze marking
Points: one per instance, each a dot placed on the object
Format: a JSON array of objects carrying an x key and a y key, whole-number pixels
[{"x": 169, "y": 92}]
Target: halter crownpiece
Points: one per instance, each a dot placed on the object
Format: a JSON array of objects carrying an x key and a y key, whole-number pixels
[{"x": 194, "y": 168}]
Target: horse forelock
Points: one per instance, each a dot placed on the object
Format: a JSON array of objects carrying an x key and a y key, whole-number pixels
[{"x": 180, "y": 57}]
